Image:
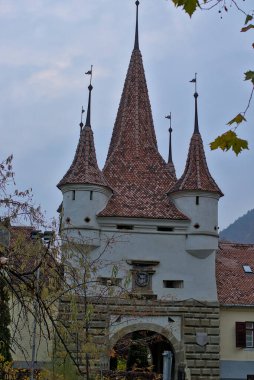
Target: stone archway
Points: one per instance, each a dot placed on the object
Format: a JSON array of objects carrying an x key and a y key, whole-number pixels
[{"x": 158, "y": 339}]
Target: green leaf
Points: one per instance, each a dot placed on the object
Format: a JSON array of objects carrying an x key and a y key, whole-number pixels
[
  {"x": 248, "y": 18},
  {"x": 249, "y": 75},
  {"x": 189, "y": 6},
  {"x": 238, "y": 119},
  {"x": 246, "y": 28},
  {"x": 229, "y": 140}
]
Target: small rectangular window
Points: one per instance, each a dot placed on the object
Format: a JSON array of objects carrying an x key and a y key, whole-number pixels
[
  {"x": 165, "y": 229},
  {"x": 91, "y": 195},
  {"x": 124, "y": 227},
  {"x": 73, "y": 195},
  {"x": 197, "y": 200},
  {"x": 173, "y": 284}
]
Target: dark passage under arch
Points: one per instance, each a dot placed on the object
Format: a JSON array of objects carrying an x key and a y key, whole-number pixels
[{"x": 141, "y": 351}]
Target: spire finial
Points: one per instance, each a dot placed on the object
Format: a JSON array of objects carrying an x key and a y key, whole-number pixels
[
  {"x": 90, "y": 87},
  {"x": 81, "y": 121},
  {"x": 196, "y": 127},
  {"x": 170, "y": 139},
  {"x": 136, "y": 44}
]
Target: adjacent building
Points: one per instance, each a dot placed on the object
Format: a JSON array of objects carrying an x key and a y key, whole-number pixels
[{"x": 235, "y": 281}]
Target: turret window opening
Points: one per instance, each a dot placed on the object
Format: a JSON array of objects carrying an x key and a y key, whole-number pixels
[
  {"x": 197, "y": 200},
  {"x": 73, "y": 195},
  {"x": 91, "y": 195}
]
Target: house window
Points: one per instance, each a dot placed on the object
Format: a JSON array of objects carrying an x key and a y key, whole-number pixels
[
  {"x": 245, "y": 334},
  {"x": 249, "y": 334}
]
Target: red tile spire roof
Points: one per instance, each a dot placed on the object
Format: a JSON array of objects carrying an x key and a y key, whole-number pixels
[
  {"x": 84, "y": 168},
  {"x": 134, "y": 167},
  {"x": 196, "y": 175}
]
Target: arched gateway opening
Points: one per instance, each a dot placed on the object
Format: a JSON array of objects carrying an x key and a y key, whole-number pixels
[{"x": 141, "y": 351}]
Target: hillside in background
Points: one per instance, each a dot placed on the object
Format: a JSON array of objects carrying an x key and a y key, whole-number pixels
[{"x": 242, "y": 230}]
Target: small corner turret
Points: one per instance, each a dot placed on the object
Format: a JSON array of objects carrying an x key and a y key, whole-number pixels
[
  {"x": 84, "y": 187},
  {"x": 196, "y": 194}
]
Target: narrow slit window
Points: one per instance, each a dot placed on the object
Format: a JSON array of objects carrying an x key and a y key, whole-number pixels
[
  {"x": 165, "y": 229},
  {"x": 73, "y": 195},
  {"x": 124, "y": 227},
  {"x": 91, "y": 195},
  {"x": 197, "y": 200}
]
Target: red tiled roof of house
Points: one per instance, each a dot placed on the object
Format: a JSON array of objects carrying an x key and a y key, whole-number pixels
[
  {"x": 134, "y": 168},
  {"x": 84, "y": 168},
  {"x": 235, "y": 287}
]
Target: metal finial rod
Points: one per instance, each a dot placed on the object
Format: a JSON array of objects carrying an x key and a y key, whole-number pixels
[
  {"x": 90, "y": 87},
  {"x": 136, "y": 44},
  {"x": 91, "y": 77},
  {"x": 196, "y": 127},
  {"x": 82, "y": 111},
  {"x": 81, "y": 121},
  {"x": 170, "y": 138}
]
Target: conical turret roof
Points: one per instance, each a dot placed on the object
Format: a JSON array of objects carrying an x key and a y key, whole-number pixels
[
  {"x": 84, "y": 168},
  {"x": 196, "y": 175},
  {"x": 134, "y": 167}
]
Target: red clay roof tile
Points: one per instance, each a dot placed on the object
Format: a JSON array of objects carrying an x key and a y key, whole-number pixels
[
  {"x": 196, "y": 175},
  {"x": 84, "y": 168},
  {"x": 134, "y": 168}
]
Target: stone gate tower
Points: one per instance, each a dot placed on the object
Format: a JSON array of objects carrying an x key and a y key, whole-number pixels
[{"x": 165, "y": 234}]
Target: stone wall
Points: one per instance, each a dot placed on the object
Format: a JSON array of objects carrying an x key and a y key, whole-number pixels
[{"x": 200, "y": 362}]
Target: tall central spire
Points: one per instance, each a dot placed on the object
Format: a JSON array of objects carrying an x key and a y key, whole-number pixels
[
  {"x": 134, "y": 167},
  {"x": 136, "y": 43}
]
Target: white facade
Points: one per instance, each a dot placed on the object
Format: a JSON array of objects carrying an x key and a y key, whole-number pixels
[{"x": 184, "y": 255}]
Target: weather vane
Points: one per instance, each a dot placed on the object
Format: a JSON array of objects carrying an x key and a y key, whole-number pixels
[
  {"x": 169, "y": 117},
  {"x": 194, "y": 80},
  {"x": 90, "y": 72}
]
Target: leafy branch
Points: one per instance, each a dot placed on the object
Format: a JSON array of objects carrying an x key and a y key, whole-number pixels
[{"x": 229, "y": 139}]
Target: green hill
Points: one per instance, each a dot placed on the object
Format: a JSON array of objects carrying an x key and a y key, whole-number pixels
[{"x": 241, "y": 231}]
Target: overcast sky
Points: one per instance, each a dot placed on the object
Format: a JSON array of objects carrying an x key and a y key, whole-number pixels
[{"x": 47, "y": 45}]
